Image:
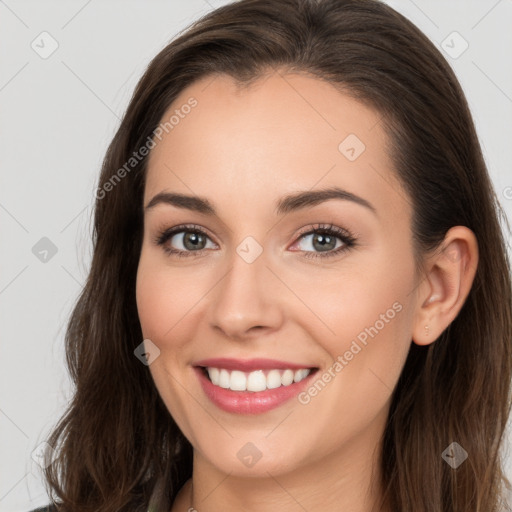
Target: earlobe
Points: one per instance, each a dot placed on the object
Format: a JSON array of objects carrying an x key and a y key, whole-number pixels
[{"x": 450, "y": 272}]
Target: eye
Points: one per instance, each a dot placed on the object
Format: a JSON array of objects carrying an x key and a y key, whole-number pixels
[
  {"x": 189, "y": 238},
  {"x": 192, "y": 241},
  {"x": 323, "y": 238}
]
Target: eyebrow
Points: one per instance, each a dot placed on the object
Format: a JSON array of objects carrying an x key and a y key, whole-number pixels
[{"x": 289, "y": 203}]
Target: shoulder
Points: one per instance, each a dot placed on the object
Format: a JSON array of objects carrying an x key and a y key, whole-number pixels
[{"x": 47, "y": 508}]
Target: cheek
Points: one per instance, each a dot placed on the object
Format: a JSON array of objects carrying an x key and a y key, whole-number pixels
[
  {"x": 369, "y": 316},
  {"x": 164, "y": 296},
  {"x": 351, "y": 304},
  {"x": 152, "y": 294},
  {"x": 162, "y": 306},
  {"x": 364, "y": 318}
]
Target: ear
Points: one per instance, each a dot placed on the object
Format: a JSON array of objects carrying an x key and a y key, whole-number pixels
[{"x": 450, "y": 272}]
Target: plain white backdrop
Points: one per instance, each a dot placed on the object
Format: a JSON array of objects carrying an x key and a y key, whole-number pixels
[{"x": 67, "y": 72}]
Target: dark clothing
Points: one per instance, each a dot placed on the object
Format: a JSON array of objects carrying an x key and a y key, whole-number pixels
[{"x": 157, "y": 502}]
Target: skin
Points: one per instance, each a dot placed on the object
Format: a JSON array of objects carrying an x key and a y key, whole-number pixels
[{"x": 243, "y": 150}]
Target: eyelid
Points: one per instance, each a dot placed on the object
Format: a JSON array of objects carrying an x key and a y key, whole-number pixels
[
  {"x": 323, "y": 227},
  {"x": 169, "y": 232}
]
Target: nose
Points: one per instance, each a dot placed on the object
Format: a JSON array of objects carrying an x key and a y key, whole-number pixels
[{"x": 246, "y": 300}]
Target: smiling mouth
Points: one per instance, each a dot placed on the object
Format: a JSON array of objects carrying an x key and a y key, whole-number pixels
[{"x": 257, "y": 380}]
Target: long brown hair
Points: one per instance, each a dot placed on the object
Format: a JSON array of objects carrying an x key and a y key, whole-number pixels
[{"x": 117, "y": 438}]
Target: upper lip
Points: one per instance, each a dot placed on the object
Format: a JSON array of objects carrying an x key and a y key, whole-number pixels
[{"x": 249, "y": 364}]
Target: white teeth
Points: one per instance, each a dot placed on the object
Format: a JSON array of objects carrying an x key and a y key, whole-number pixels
[
  {"x": 224, "y": 379},
  {"x": 238, "y": 381},
  {"x": 300, "y": 374},
  {"x": 273, "y": 379},
  {"x": 214, "y": 374},
  {"x": 256, "y": 380},
  {"x": 287, "y": 377}
]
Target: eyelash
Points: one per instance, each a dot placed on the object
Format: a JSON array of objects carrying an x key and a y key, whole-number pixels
[{"x": 325, "y": 229}]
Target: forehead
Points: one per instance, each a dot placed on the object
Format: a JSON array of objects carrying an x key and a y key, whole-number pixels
[{"x": 285, "y": 132}]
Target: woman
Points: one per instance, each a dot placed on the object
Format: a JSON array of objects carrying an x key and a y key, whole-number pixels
[{"x": 341, "y": 339}]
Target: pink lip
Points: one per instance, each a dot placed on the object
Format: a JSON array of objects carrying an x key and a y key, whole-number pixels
[
  {"x": 248, "y": 365},
  {"x": 249, "y": 402}
]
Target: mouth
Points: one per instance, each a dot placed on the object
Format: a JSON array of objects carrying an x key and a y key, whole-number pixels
[
  {"x": 255, "y": 381},
  {"x": 251, "y": 387}
]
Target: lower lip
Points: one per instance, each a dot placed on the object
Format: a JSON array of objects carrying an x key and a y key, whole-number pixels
[{"x": 250, "y": 402}]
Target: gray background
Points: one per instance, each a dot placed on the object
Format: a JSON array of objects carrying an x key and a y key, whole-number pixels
[{"x": 58, "y": 115}]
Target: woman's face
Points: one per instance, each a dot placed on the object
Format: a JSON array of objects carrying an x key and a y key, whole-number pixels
[{"x": 261, "y": 281}]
